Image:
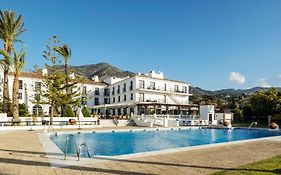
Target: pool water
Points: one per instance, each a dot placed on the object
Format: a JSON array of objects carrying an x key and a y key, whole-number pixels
[{"x": 120, "y": 143}]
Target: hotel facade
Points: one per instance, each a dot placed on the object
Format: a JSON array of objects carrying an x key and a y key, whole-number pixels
[{"x": 139, "y": 94}]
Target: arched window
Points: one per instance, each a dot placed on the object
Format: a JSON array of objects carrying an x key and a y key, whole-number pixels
[{"x": 37, "y": 110}]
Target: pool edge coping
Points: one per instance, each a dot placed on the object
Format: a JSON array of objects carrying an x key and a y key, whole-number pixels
[{"x": 56, "y": 156}]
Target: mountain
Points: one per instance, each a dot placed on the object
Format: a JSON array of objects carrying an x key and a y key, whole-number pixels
[
  {"x": 196, "y": 91},
  {"x": 103, "y": 70}
]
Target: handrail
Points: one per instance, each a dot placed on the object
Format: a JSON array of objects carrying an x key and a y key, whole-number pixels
[
  {"x": 252, "y": 124},
  {"x": 116, "y": 122},
  {"x": 66, "y": 145},
  {"x": 79, "y": 150}
]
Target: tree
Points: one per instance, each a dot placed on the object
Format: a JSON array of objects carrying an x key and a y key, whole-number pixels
[
  {"x": 86, "y": 112},
  {"x": 68, "y": 112},
  {"x": 18, "y": 65},
  {"x": 23, "y": 111},
  {"x": 265, "y": 102},
  {"x": 10, "y": 29},
  {"x": 18, "y": 62},
  {"x": 55, "y": 93},
  {"x": 65, "y": 51}
]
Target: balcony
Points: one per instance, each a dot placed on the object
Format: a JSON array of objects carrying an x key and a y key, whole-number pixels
[
  {"x": 163, "y": 90},
  {"x": 163, "y": 101}
]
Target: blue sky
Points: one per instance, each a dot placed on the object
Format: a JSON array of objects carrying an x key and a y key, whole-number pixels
[{"x": 211, "y": 44}]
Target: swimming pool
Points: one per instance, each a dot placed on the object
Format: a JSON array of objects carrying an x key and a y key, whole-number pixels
[{"x": 130, "y": 142}]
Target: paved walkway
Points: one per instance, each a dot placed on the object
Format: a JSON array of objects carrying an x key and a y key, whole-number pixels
[{"x": 22, "y": 153}]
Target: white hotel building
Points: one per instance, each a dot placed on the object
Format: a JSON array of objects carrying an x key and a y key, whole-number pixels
[{"x": 140, "y": 94}]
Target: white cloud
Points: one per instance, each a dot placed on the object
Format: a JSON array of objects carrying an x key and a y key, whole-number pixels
[
  {"x": 237, "y": 77},
  {"x": 279, "y": 76},
  {"x": 263, "y": 83}
]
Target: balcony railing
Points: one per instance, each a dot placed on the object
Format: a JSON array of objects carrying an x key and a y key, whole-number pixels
[
  {"x": 164, "y": 101},
  {"x": 164, "y": 89}
]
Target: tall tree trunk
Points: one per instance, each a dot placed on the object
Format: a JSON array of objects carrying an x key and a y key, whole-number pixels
[
  {"x": 15, "y": 100},
  {"x": 52, "y": 114},
  {"x": 6, "y": 97},
  {"x": 66, "y": 74}
]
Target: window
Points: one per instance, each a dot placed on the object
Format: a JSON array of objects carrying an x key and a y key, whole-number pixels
[
  {"x": 37, "y": 86},
  {"x": 106, "y": 92},
  {"x": 176, "y": 88},
  {"x": 20, "y": 84},
  {"x": 113, "y": 90},
  {"x": 113, "y": 99},
  {"x": 165, "y": 87},
  {"x": 141, "y": 84},
  {"x": 119, "y": 98},
  {"x": 37, "y": 110},
  {"x": 106, "y": 101},
  {"x": 131, "y": 85},
  {"x": 84, "y": 90},
  {"x": 97, "y": 91},
  {"x": 20, "y": 95},
  {"x": 118, "y": 89},
  {"x": 141, "y": 97},
  {"x": 124, "y": 87},
  {"x": 152, "y": 85},
  {"x": 125, "y": 97},
  {"x": 97, "y": 101},
  {"x": 165, "y": 99},
  {"x": 132, "y": 96},
  {"x": 37, "y": 97},
  {"x": 184, "y": 89}
]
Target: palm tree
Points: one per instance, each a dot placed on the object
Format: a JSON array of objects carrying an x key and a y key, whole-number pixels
[
  {"x": 65, "y": 51},
  {"x": 18, "y": 64},
  {"x": 10, "y": 28}
]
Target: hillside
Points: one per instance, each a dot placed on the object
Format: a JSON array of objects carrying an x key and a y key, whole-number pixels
[
  {"x": 103, "y": 70},
  {"x": 196, "y": 91}
]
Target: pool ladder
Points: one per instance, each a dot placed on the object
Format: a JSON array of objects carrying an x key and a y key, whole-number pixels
[
  {"x": 252, "y": 124},
  {"x": 78, "y": 149}
]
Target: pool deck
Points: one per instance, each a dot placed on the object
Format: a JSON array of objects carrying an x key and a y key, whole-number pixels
[{"x": 21, "y": 152}]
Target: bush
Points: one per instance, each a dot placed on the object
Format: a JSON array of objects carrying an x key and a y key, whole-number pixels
[
  {"x": 276, "y": 119},
  {"x": 68, "y": 112},
  {"x": 86, "y": 112},
  {"x": 23, "y": 111}
]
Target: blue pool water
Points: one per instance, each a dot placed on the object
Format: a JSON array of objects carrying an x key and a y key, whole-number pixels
[{"x": 120, "y": 143}]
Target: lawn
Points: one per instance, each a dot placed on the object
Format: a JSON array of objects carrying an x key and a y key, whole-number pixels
[{"x": 270, "y": 166}]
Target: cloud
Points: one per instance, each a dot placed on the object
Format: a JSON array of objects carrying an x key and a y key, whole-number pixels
[
  {"x": 263, "y": 83},
  {"x": 279, "y": 76},
  {"x": 237, "y": 77}
]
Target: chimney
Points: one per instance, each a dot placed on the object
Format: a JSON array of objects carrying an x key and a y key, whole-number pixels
[
  {"x": 44, "y": 71},
  {"x": 95, "y": 78}
]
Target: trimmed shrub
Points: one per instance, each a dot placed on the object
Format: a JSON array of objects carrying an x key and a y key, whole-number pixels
[
  {"x": 86, "y": 112},
  {"x": 68, "y": 112},
  {"x": 23, "y": 111}
]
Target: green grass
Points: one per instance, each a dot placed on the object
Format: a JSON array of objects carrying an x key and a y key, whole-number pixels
[{"x": 270, "y": 166}]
